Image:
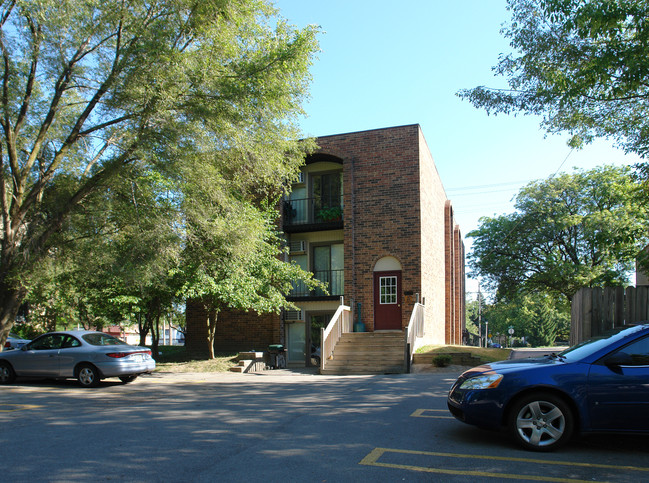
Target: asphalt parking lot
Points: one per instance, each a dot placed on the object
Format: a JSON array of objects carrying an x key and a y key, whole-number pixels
[{"x": 277, "y": 426}]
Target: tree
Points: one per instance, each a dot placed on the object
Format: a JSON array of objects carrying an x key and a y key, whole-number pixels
[
  {"x": 538, "y": 317},
  {"x": 582, "y": 65},
  {"x": 117, "y": 261},
  {"x": 233, "y": 256},
  {"x": 572, "y": 231},
  {"x": 93, "y": 89}
]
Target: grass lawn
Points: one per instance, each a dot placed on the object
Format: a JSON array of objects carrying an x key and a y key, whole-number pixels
[
  {"x": 176, "y": 359},
  {"x": 484, "y": 353}
]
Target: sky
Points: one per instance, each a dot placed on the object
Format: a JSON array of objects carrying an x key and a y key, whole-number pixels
[{"x": 386, "y": 63}]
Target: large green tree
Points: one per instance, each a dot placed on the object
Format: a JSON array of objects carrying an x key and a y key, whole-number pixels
[
  {"x": 232, "y": 255},
  {"x": 571, "y": 231},
  {"x": 583, "y": 65},
  {"x": 92, "y": 89},
  {"x": 115, "y": 264}
]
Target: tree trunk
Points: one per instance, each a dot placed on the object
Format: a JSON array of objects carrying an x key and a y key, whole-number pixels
[
  {"x": 212, "y": 317},
  {"x": 10, "y": 301},
  {"x": 154, "y": 318},
  {"x": 142, "y": 328}
]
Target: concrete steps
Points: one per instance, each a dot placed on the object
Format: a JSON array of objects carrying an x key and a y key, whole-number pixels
[
  {"x": 368, "y": 353},
  {"x": 249, "y": 362}
]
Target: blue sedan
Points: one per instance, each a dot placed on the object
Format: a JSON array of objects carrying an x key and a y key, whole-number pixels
[{"x": 601, "y": 385}]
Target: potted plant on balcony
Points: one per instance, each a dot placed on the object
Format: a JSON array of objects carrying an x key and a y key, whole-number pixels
[{"x": 334, "y": 213}]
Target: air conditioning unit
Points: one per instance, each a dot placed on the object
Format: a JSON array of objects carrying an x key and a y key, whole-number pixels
[
  {"x": 297, "y": 246},
  {"x": 294, "y": 315}
]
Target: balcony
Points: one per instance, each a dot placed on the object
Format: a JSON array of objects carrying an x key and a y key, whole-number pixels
[
  {"x": 312, "y": 214},
  {"x": 333, "y": 279}
]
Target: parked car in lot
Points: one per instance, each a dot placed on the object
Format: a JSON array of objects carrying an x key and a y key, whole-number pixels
[
  {"x": 14, "y": 342},
  {"x": 601, "y": 385},
  {"x": 84, "y": 355}
]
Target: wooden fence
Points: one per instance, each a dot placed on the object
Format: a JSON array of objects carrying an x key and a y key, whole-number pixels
[{"x": 596, "y": 310}]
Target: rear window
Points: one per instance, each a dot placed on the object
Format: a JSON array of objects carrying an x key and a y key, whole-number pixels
[{"x": 102, "y": 339}]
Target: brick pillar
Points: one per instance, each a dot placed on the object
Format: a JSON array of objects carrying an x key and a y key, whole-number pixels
[
  {"x": 449, "y": 273},
  {"x": 458, "y": 275}
]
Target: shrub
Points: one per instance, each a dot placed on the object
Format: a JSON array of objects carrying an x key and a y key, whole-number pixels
[{"x": 442, "y": 360}]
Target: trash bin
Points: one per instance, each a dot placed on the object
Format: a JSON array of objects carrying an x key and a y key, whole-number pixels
[{"x": 276, "y": 356}]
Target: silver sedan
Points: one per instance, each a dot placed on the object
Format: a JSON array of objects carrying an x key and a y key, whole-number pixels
[
  {"x": 83, "y": 355},
  {"x": 14, "y": 342}
]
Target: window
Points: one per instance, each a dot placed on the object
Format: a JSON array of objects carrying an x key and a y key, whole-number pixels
[
  {"x": 47, "y": 342},
  {"x": 328, "y": 190},
  {"x": 636, "y": 353},
  {"x": 300, "y": 288},
  {"x": 297, "y": 209},
  {"x": 329, "y": 267},
  {"x": 388, "y": 290},
  {"x": 97, "y": 338},
  {"x": 318, "y": 201},
  {"x": 70, "y": 342}
]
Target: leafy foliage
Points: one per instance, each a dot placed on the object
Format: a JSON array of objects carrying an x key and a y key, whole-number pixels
[
  {"x": 582, "y": 65},
  {"x": 576, "y": 230},
  {"x": 538, "y": 317},
  {"x": 102, "y": 95}
]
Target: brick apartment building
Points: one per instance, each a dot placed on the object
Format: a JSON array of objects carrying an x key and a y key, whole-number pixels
[{"x": 370, "y": 217}]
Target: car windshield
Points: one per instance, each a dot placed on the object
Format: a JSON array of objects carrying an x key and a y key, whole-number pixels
[
  {"x": 102, "y": 339},
  {"x": 586, "y": 348}
]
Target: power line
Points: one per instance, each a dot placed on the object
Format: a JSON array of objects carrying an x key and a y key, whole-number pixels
[{"x": 493, "y": 185}]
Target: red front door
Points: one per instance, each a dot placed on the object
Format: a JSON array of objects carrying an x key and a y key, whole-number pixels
[{"x": 387, "y": 301}]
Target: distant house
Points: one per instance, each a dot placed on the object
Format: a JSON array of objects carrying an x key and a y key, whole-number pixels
[{"x": 369, "y": 216}]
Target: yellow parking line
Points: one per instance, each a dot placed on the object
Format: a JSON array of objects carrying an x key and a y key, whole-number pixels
[
  {"x": 419, "y": 413},
  {"x": 372, "y": 460},
  {"x": 17, "y": 407}
]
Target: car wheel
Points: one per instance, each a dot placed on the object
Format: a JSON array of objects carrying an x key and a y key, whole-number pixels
[
  {"x": 127, "y": 379},
  {"x": 7, "y": 374},
  {"x": 541, "y": 422},
  {"x": 88, "y": 375}
]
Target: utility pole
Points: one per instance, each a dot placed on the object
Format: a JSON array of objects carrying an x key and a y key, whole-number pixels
[{"x": 479, "y": 317}]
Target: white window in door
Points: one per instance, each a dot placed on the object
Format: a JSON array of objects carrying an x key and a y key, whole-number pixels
[{"x": 388, "y": 293}]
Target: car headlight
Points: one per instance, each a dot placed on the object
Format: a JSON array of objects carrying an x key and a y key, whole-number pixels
[{"x": 485, "y": 381}]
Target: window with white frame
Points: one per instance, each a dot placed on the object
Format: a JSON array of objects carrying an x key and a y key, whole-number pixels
[{"x": 388, "y": 290}]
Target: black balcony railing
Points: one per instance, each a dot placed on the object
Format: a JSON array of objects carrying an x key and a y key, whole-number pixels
[
  {"x": 334, "y": 280},
  {"x": 310, "y": 211}
]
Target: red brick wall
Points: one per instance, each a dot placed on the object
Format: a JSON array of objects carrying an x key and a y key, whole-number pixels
[
  {"x": 235, "y": 330},
  {"x": 455, "y": 321},
  {"x": 381, "y": 198},
  {"x": 460, "y": 275},
  {"x": 394, "y": 205},
  {"x": 449, "y": 246}
]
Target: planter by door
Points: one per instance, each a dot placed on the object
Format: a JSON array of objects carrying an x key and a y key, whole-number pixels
[{"x": 387, "y": 300}]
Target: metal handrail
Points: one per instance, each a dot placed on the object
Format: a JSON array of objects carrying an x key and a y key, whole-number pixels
[
  {"x": 414, "y": 330},
  {"x": 334, "y": 280},
  {"x": 340, "y": 323},
  {"x": 311, "y": 210}
]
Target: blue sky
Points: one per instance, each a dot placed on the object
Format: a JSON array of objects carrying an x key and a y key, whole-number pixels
[{"x": 386, "y": 63}]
